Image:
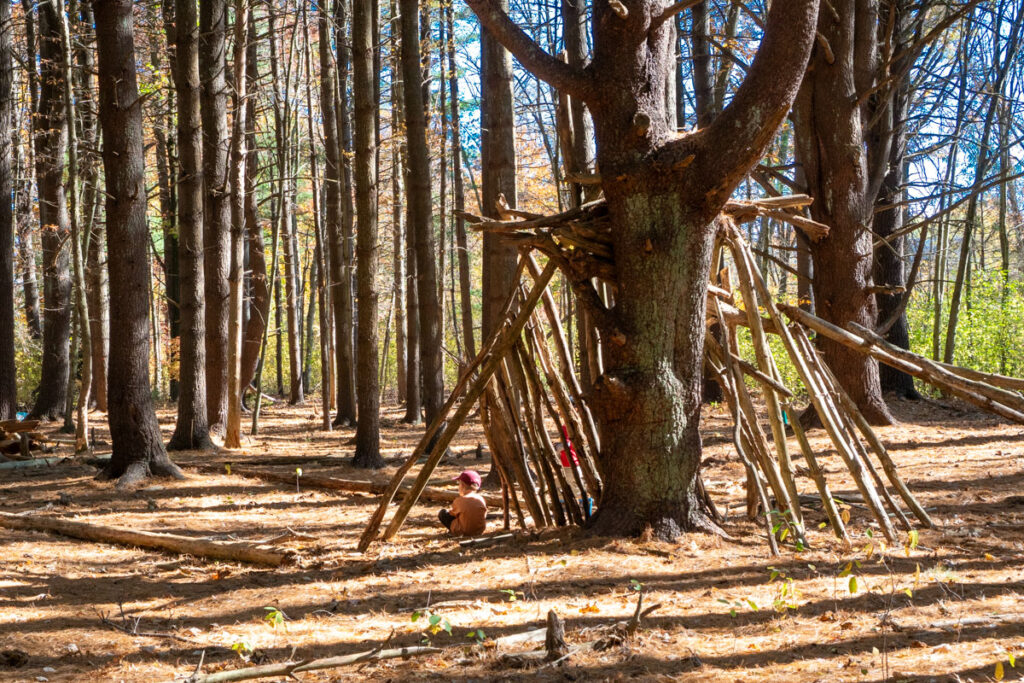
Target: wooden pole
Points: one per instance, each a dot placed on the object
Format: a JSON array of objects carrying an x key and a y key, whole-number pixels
[
  {"x": 184, "y": 545},
  {"x": 487, "y": 361}
]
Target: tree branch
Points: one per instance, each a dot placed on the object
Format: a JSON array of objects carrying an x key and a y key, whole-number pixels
[
  {"x": 739, "y": 137},
  {"x": 536, "y": 60}
]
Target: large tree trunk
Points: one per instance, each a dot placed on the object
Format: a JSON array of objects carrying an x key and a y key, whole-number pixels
[
  {"x": 832, "y": 146},
  {"x": 419, "y": 220},
  {"x": 191, "y": 430},
  {"x": 8, "y": 383},
  {"x": 663, "y": 192},
  {"x": 137, "y": 449},
  {"x": 54, "y": 222},
  {"x": 364, "y": 92},
  {"x": 213, "y": 19}
]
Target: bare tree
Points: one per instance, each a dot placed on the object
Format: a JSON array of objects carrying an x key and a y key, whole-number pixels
[{"x": 8, "y": 379}]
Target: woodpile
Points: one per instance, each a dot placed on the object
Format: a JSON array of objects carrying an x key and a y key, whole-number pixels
[
  {"x": 537, "y": 418},
  {"x": 20, "y": 440}
]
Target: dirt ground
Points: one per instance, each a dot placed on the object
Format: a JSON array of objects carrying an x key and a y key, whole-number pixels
[{"x": 949, "y": 609}]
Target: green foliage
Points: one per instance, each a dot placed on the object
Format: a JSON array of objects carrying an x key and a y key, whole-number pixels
[
  {"x": 435, "y": 622},
  {"x": 990, "y": 328},
  {"x": 274, "y": 616}
]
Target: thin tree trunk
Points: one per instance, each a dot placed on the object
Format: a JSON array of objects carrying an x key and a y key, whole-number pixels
[
  {"x": 259, "y": 304},
  {"x": 347, "y": 405},
  {"x": 364, "y": 90},
  {"x": 236, "y": 273},
  {"x": 51, "y": 148},
  {"x": 282, "y": 126},
  {"x": 31, "y": 286},
  {"x": 82, "y": 339},
  {"x": 137, "y": 449},
  {"x": 398, "y": 237},
  {"x": 191, "y": 430},
  {"x": 95, "y": 271},
  {"x": 332, "y": 215},
  {"x": 462, "y": 243},
  {"x": 8, "y": 371},
  {"x": 213, "y": 19},
  {"x": 419, "y": 213}
]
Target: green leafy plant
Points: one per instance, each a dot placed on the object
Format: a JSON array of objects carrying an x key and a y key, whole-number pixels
[
  {"x": 274, "y": 616},
  {"x": 477, "y": 634},
  {"x": 635, "y": 585},
  {"x": 435, "y": 622},
  {"x": 786, "y": 593},
  {"x": 244, "y": 649},
  {"x": 511, "y": 595}
]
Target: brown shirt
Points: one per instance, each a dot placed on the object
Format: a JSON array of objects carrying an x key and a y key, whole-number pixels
[{"x": 470, "y": 513}]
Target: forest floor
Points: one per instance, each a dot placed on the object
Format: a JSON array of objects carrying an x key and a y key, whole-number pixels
[{"x": 949, "y": 609}]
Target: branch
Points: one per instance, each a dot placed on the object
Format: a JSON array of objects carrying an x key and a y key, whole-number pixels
[
  {"x": 739, "y": 137},
  {"x": 673, "y": 10},
  {"x": 534, "y": 59}
]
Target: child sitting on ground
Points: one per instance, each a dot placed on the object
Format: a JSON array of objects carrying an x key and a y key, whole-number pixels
[{"x": 468, "y": 514}]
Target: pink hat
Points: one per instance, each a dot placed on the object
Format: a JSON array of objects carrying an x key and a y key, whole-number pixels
[{"x": 469, "y": 477}]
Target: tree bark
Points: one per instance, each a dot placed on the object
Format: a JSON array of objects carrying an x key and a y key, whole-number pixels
[
  {"x": 461, "y": 242},
  {"x": 663, "y": 192},
  {"x": 8, "y": 377},
  {"x": 31, "y": 285},
  {"x": 191, "y": 430},
  {"x": 259, "y": 304},
  {"x": 282, "y": 129},
  {"x": 398, "y": 227},
  {"x": 236, "y": 272},
  {"x": 831, "y": 136},
  {"x": 419, "y": 221},
  {"x": 137, "y": 449},
  {"x": 342, "y": 11},
  {"x": 333, "y": 153},
  {"x": 364, "y": 92},
  {"x": 54, "y": 222},
  {"x": 213, "y": 19}
]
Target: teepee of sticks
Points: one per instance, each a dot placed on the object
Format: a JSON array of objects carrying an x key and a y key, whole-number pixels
[{"x": 542, "y": 437}]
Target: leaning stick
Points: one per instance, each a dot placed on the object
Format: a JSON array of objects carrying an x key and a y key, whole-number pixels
[
  {"x": 763, "y": 354},
  {"x": 822, "y": 401},
  {"x": 332, "y": 483},
  {"x": 858, "y": 343},
  {"x": 183, "y": 545},
  {"x": 830, "y": 416},
  {"x": 882, "y": 453},
  {"x": 564, "y": 360},
  {"x": 1007, "y": 398},
  {"x": 489, "y": 360},
  {"x": 850, "y": 429},
  {"x": 289, "y": 669},
  {"x": 829, "y": 503}
]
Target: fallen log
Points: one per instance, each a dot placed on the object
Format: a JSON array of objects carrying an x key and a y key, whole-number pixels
[
  {"x": 184, "y": 545},
  {"x": 35, "y": 462},
  {"x": 289, "y": 669},
  {"x": 432, "y": 494}
]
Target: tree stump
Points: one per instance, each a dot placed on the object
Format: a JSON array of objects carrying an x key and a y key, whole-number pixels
[{"x": 554, "y": 642}]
